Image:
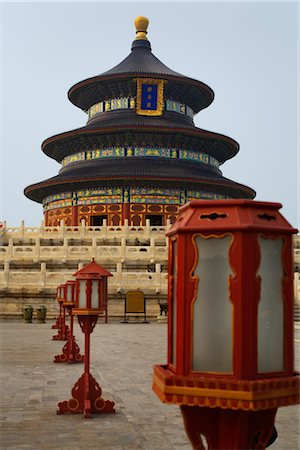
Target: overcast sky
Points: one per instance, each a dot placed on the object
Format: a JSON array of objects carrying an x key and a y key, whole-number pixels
[{"x": 246, "y": 52}]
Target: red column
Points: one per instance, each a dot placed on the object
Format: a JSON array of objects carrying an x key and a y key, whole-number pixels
[
  {"x": 125, "y": 212},
  {"x": 74, "y": 222}
]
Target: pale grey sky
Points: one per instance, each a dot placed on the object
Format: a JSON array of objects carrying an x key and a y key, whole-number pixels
[{"x": 246, "y": 52}]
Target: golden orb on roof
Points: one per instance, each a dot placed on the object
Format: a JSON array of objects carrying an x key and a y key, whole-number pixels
[{"x": 141, "y": 24}]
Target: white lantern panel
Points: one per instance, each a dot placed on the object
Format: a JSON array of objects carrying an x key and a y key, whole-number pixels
[
  {"x": 270, "y": 307},
  {"x": 69, "y": 293},
  {"x": 212, "y": 312},
  {"x": 95, "y": 294},
  {"x": 82, "y": 294}
]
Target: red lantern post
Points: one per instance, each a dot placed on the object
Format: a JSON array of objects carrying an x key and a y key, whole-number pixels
[
  {"x": 57, "y": 324},
  {"x": 91, "y": 300},
  {"x": 63, "y": 330},
  {"x": 230, "y": 330},
  {"x": 71, "y": 351}
]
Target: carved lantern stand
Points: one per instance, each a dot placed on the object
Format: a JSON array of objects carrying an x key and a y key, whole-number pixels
[
  {"x": 71, "y": 351},
  {"x": 91, "y": 300},
  {"x": 63, "y": 329},
  {"x": 57, "y": 323}
]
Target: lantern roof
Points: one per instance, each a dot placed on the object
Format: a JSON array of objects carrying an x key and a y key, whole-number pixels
[
  {"x": 230, "y": 215},
  {"x": 92, "y": 269}
]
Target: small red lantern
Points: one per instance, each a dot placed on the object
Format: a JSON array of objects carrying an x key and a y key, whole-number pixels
[
  {"x": 57, "y": 323},
  {"x": 63, "y": 329},
  {"x": 90, "y": 301},
  {"x": 61, "y": 292},
  {"x": 71, "y": 351},
  {"x": 91, "y": 289},
  {"x": 230, "y": 330}
]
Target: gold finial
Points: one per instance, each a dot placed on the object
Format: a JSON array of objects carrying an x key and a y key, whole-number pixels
[{"x": 141, "y": 24}]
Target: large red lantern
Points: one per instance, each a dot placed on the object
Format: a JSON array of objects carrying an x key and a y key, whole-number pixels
[{"x": 230, "y": 330}]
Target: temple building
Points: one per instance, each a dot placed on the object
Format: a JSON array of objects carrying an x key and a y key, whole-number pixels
[{"x": 139, "y": 156}]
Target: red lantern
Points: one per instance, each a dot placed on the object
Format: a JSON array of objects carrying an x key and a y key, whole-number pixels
[
  {"x": 61, "y": 292},
  {"x": 71, "y": 351},
  {"x": 230, "y": 330},
  {"x": 91, "y": 289},
  {"x": 90, "y": 301},
  {"x": 63, "y": 329},
  {"x": 57, "y": 323}
]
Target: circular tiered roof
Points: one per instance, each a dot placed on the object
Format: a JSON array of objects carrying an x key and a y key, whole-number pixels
[{"x": 115, "y": 122}]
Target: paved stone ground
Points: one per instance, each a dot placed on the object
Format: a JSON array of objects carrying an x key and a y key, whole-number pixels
[{"x": 122, "y": 357}]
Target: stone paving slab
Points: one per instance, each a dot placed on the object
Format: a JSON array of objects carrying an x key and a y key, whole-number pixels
[{"x": 122, "y": 358}]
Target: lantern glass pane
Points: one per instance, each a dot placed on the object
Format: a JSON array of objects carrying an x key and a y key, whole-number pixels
[
  {"x": 82, "y": 294},
  {"x": 270, "y": 307},
  {"x": 69, "y": 293},
  {"x": 62, "y": 289},
  {"x": 212, "y": 308},
  {"x": 95, "y": 294},
  {"x": 174, "y": 303}
]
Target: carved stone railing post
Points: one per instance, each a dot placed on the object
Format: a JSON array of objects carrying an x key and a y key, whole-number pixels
[
  {"x": 118, "y": 281},
  {"x": 22, "y": 229},
  {"x": 42, "y": 282},
  {"x": 82, "y": 228},
  {"x": 65, "y": 250},
  {"x": 41, "y": 228},
  {"x": 123, "y": 249},
  {"x": 94, "y": 247},
  {"x": 157, "y": 277},
  {"x": 37, "y": 249},
  {"x": 62, "y": 228},
  {"x": 147, "y": 229},
  {"x": 125, "y": 228},
  {"x": 9, "y": 253},
  {"x": 152, "y": 248},
  {"x": 6, "y": 273},
  {"x": 104, "y": 228}
]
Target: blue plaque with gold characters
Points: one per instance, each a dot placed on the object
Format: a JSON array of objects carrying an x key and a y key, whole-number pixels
[{"x": 149, "y": 96}]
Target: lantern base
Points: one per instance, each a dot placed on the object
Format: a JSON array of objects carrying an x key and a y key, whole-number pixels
[
  {"x": 70, "y": 353},
  {"x": 225, "y": 393},
  {"x": 63, "y": 334},
  {"x": 229, "y": 429},
  {"x": 86, "y": 399},
  {"x": 57, "y": 324}
]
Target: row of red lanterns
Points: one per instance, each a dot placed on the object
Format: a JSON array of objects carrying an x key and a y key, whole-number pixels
[
  {"x": 86, "y": 297},
  {"x": 230, "y": 324}
]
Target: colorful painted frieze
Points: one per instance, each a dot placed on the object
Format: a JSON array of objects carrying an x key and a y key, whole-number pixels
[
  {"x": 99, "y": 192},
  {"x": 54, "y": 197},
  {"x": 57, "y": 204},
  {"x": 116, "y": 152},
  {"x": 198, "y": 195},
  {"x": 149, "y": 99},
  {"x": 146, "y": 151}
]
